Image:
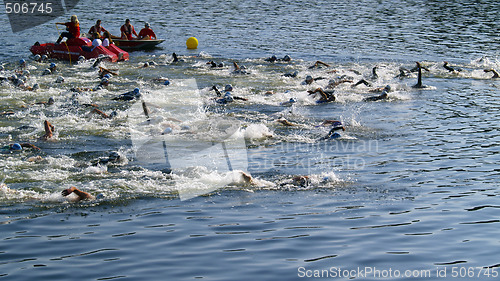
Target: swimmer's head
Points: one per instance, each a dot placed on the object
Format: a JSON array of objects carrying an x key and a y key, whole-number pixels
[
  {"x": 113, "y": 114},
  {"x": 147, "y": 25},
  {"x": 292, "y": 100},
  {"x": 114, "y": 156},
  {"x": 309, "y": 79},
  {"x": 287, "y": 58},
  {"x": 36, "y": 87},
  {"x": 16, "y": 146},
  {"x": 166, "y": 83},
  {"x": 228, "y": 88},
  {"x": 81, "y": 58},
  {"x": 46, "y": 72},
  {"x": 136, "y": 90},
  {"x": 104, "y": 81},
  {"x": 22, "y": 62},
  {"x": 45, "y": 57},
  {"x": 60, "y": 79},
  {"x": 52, "y": 65},
  {"x": 387, "y": 88},
  {"x": 37, "y": 58},
  {"x": 107, "y": 76},
  {"x": 51, "y": 100},
  {"x": 26, "y": 72},
  {"x": 146, "y": 64}
]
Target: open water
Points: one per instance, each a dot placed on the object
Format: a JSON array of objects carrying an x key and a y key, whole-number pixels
[{"x": 410, "y": 191}]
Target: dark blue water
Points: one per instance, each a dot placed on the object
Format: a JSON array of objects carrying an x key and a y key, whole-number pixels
[{"x": 410, "y": 189}]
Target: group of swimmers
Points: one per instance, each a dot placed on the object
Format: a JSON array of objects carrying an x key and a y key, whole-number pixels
[{"x": 326, "y": 95}]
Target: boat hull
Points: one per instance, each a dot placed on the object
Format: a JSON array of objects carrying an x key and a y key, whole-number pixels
[
  {"x": 136, "y": 45},
  {"x": 72, "y": 53}
]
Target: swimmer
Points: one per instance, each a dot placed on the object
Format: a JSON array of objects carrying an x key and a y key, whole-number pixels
[
  {"x": 49, "y": 129},
  {"x": 362, "y": 81},
  {"x": 326, "y": 96},
  {"x": 382, "y": 96},
  {"x": 419, "y": 84},
  {"x": 291, "y": 75},
  {"x": 113, "y": 157},
  {"x": 20, "y": 146},
  {"x": 128, "y": 96},
  {"x": 239, "y": 69},
  {"x": 175, "y": 58},
  {"x": 99, "y": 60},
  {"x": 495, "y": 74},
  {"x": 309, "y": 80},
  {"x": 339, "y": 80},
  {"x": 104, "y": 115},
  {"x": 161, "y": 80},
  {"x": 318, "y": 64},
  {"x": 82, "y": 195},
  {"x": 215, "y": 65},
  {"x": 285, "y": 122},
  {"x": 449, "y": 68},
  {"x": 289, "y": 102},
  {"x": 227, "y": 96},
  {"x": 104, "y": 71},
  {"x": 332, "y": 134},
  {"x": 403, "y": 73}
]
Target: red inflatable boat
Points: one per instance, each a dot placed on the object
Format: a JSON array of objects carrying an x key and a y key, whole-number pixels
[{"x": 72, "y": 50}]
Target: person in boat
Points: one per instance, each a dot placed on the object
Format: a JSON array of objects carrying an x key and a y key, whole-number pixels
[
  {"x": 127, "y": 30},
  {"x": 326, "y": 95},
  {"x": 146, "y": 33},
  {"x": 495, "y": 73},
  {"x": 95, "y": 43},
  {"x": 107, "y": 39},
  {"x": 97, "y": 28},
  {"x": 382, "y": 96},
  {"x": 72, "y": 27}
]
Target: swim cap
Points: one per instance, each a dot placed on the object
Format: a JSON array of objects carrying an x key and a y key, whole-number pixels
[
  {"x": 335, "y": 136},
  {"x": 36, "y": 87},
  {"x": 107, "y": 75},
  {"x": 22, "y": 61},
  {"x": 13, "y": 77},
  {"x": 228, "y": 88},
  {"x": 136, "y": 90},
  {"x": 293, "y": 100},
  {"x": 81, "y": 58},
  {"x": 60, "y": 79},
  {"x": 168, "y": 130},
  {"x": 185, "y": 127},
  {"x": 46, "y": 72},
  {"x": 166, "y": 83},
  {"x": 52, "y": 65},
  {"x": 37, "y": 57},
  {"x": 104, "y": 81},
  {"x": 287, "y": 58},
  {"x": 51, "y": 100},
  {"x": 387, "y": 88},
  {"x": 26, "y": 72},
  {"x": 45, "y": 57},
  {"x": 113, "y": 114},
  {"x": 1, "y": 68},
  {"x": 16, "y": 146},
  {"x": 309, "y": 78},
  {"x": 146, "y": 64}
]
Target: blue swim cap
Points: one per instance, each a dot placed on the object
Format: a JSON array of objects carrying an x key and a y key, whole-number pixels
[
  {"x": 136, "y": 90},
  {"x": 185, "y": 127},
  {"x": 228, "y": 88},
  {"x": 21, "y": 61},
  {"x": 107, "y": 76},
  {"x": 293, "y": 100},
  {"x": 168, "y": 130},
  {"x": 52, "y": 65},
  {"x": 16, "y": 146},
  {"x": 335, "y": 136},
  {"x": 166, "y": 83}
]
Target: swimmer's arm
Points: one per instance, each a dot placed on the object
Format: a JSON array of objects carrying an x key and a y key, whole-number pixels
[
  {"x": 82, "y": 195},
  {"x": 240, "y": 98},
  {"x": 29, "y": 145}
]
